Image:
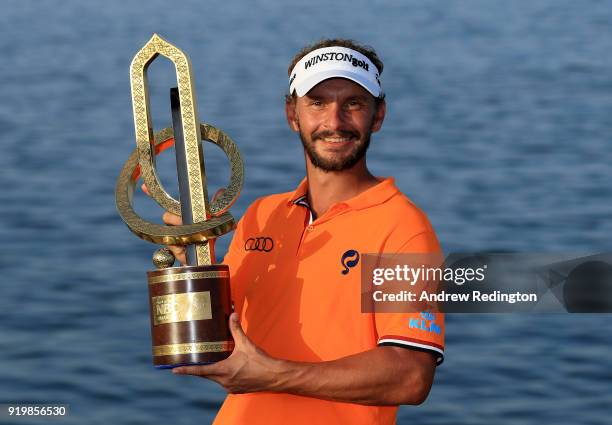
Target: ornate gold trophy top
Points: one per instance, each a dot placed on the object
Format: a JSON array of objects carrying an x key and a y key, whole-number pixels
[{"x": 203, "y": 221}]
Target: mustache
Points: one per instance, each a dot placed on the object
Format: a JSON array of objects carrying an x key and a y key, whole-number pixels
[{"x": 341, "y": 133}]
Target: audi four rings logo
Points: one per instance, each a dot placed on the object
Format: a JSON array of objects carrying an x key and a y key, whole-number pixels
[{"x": 264, "y": 244}]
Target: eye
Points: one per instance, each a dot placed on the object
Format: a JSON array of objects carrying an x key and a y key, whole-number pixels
[
  {"x": 316, "y": 104},
  {"x": 353, "y": 104}
]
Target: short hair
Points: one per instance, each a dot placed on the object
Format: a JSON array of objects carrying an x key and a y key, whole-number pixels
[{"x": 367, "y": 51}]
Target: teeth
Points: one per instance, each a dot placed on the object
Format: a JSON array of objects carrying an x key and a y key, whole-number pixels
[{"x": 338, "y": 139}]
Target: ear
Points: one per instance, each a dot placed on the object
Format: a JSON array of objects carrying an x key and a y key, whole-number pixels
[
  {"x": 379, "y": 116},
  {"x": 290, "y": 111}
]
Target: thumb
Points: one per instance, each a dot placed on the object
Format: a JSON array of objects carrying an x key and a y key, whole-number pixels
[{"x": 238, "y": 334}]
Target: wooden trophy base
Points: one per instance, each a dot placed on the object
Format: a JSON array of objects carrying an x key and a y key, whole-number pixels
[{"x": 190, "y": 308}]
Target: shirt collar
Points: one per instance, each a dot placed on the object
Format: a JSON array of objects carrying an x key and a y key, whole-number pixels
[
  {"x": 373, "y": 196},
  {"x": 299, "y": 192}
]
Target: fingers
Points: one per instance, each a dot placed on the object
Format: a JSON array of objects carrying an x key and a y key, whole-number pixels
[
  {"x": 171, "y": 219},
  {"x": 200, "y": 370},
  {"x": 179, "y": 253}
]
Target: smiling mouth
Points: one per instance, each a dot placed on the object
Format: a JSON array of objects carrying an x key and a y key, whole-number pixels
[{"x": 338, "y": 139}]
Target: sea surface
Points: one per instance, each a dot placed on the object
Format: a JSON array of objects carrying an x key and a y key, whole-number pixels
[{"x": 499, "y": 127}]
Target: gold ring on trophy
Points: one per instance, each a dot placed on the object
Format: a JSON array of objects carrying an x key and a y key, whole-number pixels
[{"x": 221, "y": 221}]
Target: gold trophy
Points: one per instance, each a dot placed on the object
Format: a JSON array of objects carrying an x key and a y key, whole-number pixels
[{"x": 190, "y": 305}]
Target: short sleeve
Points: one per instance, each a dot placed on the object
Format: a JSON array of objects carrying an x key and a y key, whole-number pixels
[
  {"x": 233, "y": 255},
  {"x": 420, "y": 331},
  {"x": 233, "y": 259},
  {"x": 235, "y": 252}
]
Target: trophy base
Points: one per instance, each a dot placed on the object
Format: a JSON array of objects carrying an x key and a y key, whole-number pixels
[
  {"x": 172, "y": 366},
  {"x": 190, "y": 308}
]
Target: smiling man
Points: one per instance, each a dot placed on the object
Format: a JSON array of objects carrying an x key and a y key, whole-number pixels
[{"x": 305, "y": 353}]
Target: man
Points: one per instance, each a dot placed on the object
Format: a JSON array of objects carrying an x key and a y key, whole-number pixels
[{"x": 305, "y": 353}]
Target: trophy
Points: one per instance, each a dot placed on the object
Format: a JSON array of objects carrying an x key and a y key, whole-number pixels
[{"x": 190, "y": 305}]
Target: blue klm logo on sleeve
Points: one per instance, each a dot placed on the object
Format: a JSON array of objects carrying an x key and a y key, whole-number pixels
[{"x": 426, "y": 323}]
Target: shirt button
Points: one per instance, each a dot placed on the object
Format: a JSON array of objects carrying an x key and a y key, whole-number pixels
[{"x": 310, "y": 228}]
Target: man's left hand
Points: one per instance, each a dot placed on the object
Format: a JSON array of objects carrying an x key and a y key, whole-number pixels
[{"x": 248, "y": 369}]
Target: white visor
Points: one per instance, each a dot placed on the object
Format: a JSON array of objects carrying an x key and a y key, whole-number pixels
[{"x": 331, "y": 62}]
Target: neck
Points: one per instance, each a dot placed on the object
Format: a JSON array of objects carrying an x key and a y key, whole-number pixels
[{"x": 326, "y": 188}]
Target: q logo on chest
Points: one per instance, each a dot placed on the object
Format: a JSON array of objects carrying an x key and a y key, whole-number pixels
[{"x": 349, "y": 260}]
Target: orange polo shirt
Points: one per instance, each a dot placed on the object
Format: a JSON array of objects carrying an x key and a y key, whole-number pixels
[{"x": 296, "y": 287}]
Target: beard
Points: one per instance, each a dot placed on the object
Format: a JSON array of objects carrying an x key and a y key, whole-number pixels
[{"x": 336, "y": 162}]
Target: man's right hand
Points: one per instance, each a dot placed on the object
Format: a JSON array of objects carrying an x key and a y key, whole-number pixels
[
  {"x": 171, "y": 220},
  {"x": 178, "y": 250}
]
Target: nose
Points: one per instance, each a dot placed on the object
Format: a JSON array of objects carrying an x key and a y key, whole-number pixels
[{"x": 335, "y": 118}]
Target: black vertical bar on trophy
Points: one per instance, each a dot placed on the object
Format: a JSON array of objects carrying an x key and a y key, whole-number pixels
[{"x": 181, "y": 168}]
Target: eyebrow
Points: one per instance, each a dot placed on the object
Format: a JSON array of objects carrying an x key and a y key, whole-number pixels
[{"x": 359, "y": 97}]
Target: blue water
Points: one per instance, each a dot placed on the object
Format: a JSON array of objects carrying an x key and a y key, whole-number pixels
[{"x": 499, "y": 126}]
